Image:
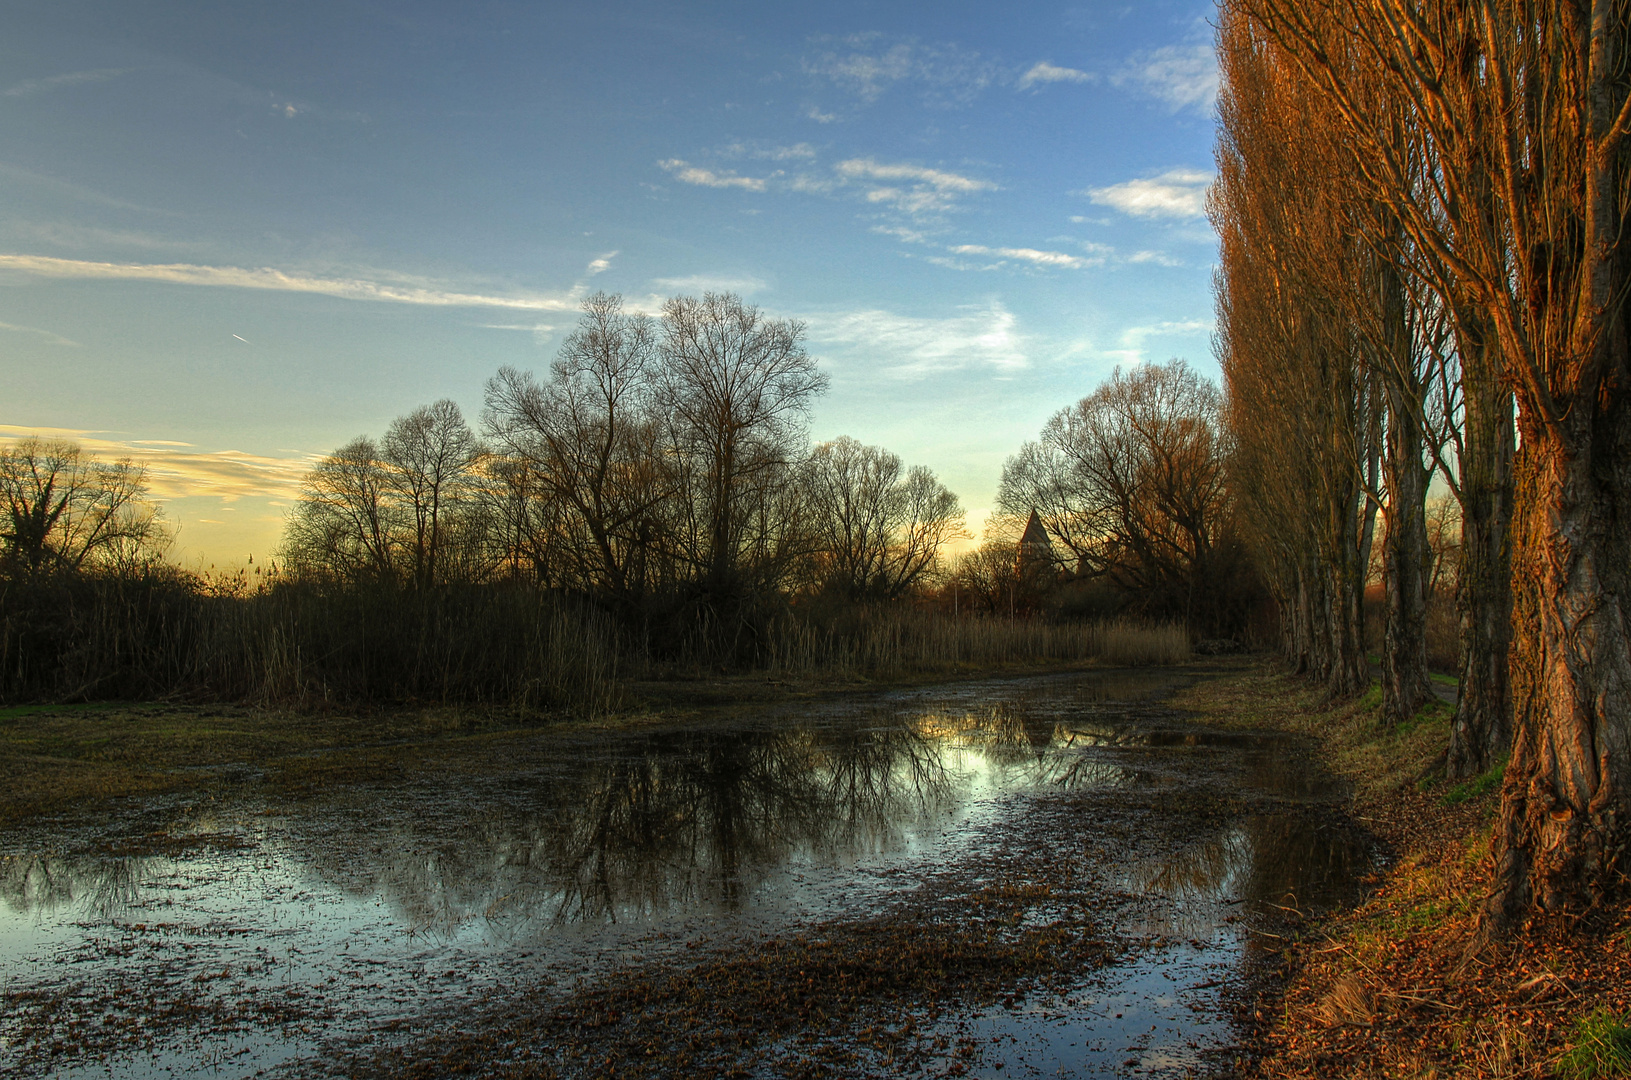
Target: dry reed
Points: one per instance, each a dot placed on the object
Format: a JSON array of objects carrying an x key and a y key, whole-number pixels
[
  {"x": 884, "y": 642},
  {"x": 304, "y": 645}
]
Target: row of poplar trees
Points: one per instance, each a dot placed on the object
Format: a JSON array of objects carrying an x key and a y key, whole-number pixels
[{"x": 1423, "y": 210}]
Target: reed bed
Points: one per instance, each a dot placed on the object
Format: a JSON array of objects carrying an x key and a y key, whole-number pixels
[
  {"x": 302, "y": 646},
  {"x": 305, "y": 646},
  {"x": 884, "y": 642}
]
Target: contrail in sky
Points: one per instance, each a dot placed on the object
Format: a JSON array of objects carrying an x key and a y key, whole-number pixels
[{"x": 244, "y": 340}]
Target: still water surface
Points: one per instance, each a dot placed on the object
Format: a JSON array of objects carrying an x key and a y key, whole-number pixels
[{"x": 225, "y": 938}]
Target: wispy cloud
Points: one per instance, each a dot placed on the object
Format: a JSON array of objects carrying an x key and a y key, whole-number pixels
[
  {"x": 1184, "y": 76},
  {"x": 908, "y": 347},
  {"x": 31, "y": 87},
  {"x": 1133, "y": 339},
  {"x": 917, "y": 191},
  {"x": 1053, "y": 259},
  {"x": 600, "y": 265},
  {"x": 938, "y": 179},
  {"x": 541, "y": 332},
  {"x": 50, "y": 338},
  {"x": 863, "y": 65},
  {"x": 407, "y": 291},
  {"x": 1159, "y": 258},
  {"x": 703, "y": 283},
  {"x": 900, "y": 232},
  {"x": 178, "y": 470},
  {"x": 911, "y": 189},
  {"x": 797, "y": 152},
  {"x": 687, "y": 173},
  {"x": 814, "y": 113},
  {"x": 1044, "y": 72},
  {"x": 1177, "y": 193}
]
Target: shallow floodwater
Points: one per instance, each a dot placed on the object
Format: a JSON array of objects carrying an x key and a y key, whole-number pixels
[{"x": 179, "y": 938}]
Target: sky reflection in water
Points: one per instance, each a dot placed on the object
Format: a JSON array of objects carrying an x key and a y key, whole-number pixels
[{"x": 605, "y": 849}]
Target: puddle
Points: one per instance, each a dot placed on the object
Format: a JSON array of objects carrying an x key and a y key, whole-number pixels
[{"x": 183, "y": 939}]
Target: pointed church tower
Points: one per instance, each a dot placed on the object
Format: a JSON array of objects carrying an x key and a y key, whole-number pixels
[{"x": 1035, "y": 549}]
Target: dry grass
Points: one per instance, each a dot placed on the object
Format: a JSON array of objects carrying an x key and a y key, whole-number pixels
[
  {"x": 902, "y": 641},
  {"x": 1350, "y": 1001},
  {"x": 163, "y": 636},
  {"x": 504, "y": 646}
]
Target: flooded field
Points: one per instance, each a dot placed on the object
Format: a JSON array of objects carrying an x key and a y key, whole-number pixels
[{"x": 1073, "y": 875}]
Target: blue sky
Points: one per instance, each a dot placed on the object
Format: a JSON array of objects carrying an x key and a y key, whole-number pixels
[{"x": 233, "y": 237}]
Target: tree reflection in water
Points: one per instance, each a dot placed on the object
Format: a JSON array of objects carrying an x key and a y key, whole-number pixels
[
  {"x": 101, "y": 888},
  {"x": 640, "y": 826},
  {"x": 665, "y": 821}
]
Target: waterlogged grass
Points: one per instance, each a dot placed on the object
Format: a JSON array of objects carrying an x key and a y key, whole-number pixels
[
  {"x": 53, "y": 757},
  {"x": 56, "y": 756},
  {"x": 1601, "y": 1048},
  {"x": 1377, "y": 758}
]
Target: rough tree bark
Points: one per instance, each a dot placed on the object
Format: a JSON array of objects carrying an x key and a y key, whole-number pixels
[
  {"x": 1565, "y": 819},
  {"x": 1561, "y": 838}
]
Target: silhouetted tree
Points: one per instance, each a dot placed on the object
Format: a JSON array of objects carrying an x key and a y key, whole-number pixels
[
  {"x": 880, "y": 527},
  {"x": 734, "y": 390},
  {"x": 1132, "y": 482},
  {"x": 430, "y": 453},
  {"x": 66, "y": 511}
]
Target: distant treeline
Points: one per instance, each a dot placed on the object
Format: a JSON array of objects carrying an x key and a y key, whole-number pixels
[
  {"x": 662, "y": 464},
  {"x": 651, "y": 506}
]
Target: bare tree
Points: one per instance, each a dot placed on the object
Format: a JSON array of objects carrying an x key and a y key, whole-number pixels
[
  {"x": 588, "y": 440},
  {"x": 736, "y": 388},
  {"x": 1132, "y": 481},
  {"x": 67, "y": 511},
  {"x": 880, "y": 527},
  {"x": 1514, "y": 184},
  {"x": 344, "y": 525},
  {"x": 430, "y": 452},
  {"x": 990, "y": 581},
  {"x": 526, "y": 523},
  {"x": 1306, "y": 408}
]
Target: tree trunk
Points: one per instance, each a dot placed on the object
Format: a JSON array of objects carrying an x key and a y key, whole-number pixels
[
  {"x": 1299, "y": 639},
  {"x": 1560, "y": 843},
  {"x": 1566, "y": 804},
  {"x": 1349, "y": 671},
  {"x": 1481, "y": 733},
  {"x": 1405, "y": 687}
]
